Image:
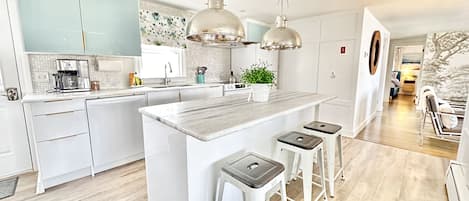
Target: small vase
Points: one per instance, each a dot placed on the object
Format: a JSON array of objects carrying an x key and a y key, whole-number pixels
[{"x": 260, "y": 92}]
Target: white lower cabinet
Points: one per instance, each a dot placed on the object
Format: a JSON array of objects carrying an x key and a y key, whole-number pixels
[
  {"x": 201, "y": 93},
  {"x": 63, "y": 156},
  {"x": 77, "y": 138},
  {"x": 116, "y": 131},
  {"x": 62, "y": 142},
  {"x": 58, "y": 125},
  {"x": 163, "y": 97}
]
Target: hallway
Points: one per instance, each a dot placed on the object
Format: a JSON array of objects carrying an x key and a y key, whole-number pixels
[{"x": 398, "y": 126}]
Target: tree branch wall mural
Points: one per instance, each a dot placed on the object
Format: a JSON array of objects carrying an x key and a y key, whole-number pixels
[{"x": 446, "y": 65}]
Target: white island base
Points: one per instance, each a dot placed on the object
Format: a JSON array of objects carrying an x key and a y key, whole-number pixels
[{"x": 180, "y": 167}]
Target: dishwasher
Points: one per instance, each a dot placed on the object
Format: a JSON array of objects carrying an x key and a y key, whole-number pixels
[{"x": 116, "y": 131}]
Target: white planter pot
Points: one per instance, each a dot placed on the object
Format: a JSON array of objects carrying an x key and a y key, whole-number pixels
[{"x": 260, "y": 92}]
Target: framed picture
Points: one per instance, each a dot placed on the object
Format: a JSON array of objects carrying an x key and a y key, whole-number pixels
[{"x": 411, "y": 58}]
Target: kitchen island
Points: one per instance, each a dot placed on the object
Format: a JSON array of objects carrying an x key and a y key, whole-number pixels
[{"x": 187, "y": 143}]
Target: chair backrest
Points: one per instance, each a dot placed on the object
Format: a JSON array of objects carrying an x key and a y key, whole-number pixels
[
  {"x": 432, "y": 108},
  {"x": 421, "y": 98}
]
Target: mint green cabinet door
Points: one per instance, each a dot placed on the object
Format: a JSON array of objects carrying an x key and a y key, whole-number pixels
[
  {"x": 111, "y": 27},
  {"x": 255, "y": 32},
  {"x": 51, "y": 26}
]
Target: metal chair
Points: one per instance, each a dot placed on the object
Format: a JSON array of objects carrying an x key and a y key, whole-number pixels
[{"x": 435, "y": 116}]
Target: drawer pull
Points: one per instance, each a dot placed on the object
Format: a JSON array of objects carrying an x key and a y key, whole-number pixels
[
  {"x": 58, "y": 113},
  {"x": 61, "y": 138},
  {"x": 51, "y": 101}
]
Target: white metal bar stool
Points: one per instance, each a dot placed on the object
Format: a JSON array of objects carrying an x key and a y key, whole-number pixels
[
  {"x": 332, "y": 136},
  {"x": 306, "y": 146},
  {"x": 254, "y": 175}
]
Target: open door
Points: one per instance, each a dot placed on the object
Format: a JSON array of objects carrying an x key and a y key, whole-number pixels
[{"x": 15, "y": 157}]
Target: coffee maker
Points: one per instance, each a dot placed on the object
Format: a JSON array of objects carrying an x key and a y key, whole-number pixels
[{"x": 71, "y": 76}]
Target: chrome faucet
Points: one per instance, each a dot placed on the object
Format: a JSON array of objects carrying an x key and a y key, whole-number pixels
[{"x": 166, "y": 80}]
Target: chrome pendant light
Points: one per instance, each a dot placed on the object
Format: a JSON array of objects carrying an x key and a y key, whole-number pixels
[
  {"x": 215, "y": 26},
  {"x": 281, "y": 37}
]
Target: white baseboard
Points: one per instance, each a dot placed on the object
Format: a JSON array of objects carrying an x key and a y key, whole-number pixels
[
  {"x": 363, "y": 125},
  {"x": 16, "y": 173},
  {"x": 107, "y": 166},
  {"x": 61, "y": 179}
]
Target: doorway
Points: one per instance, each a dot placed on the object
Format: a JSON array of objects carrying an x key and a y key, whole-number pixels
[
  {"x": 406, "y": 65},
  {"x": 398, "y": 124}
]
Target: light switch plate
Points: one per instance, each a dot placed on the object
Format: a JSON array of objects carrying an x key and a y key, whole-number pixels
[{"x": 41, "y": 76}]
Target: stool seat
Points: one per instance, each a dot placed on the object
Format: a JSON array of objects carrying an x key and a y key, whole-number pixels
[
  {"x": 323, "y": 127},
  {"x": 300, "y": 140},
  {"x": 253, "y": 170}
]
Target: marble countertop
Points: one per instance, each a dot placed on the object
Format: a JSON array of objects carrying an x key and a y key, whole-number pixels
[
  {"x": 213, "y": 118},
  {"x": 109, "y": 93}
]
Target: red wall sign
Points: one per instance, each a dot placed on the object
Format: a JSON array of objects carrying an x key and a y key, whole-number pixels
[{"x": 343, "y": 50}]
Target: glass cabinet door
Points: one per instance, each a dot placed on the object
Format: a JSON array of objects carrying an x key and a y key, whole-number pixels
[
  {"x": 255, "y": 32},
  {"x": 111, "y": 27},
  {"x": 51, "y": 26}
]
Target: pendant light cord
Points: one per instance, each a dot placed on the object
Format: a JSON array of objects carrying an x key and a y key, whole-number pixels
[{"x": 282, "y": 4}]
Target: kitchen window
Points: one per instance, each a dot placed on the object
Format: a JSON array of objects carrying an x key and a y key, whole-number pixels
[{"x": 155, "y": 58}]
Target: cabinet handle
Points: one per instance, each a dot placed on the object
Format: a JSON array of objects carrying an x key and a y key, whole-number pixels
[
  {"x": 83, "y": 35},
  {"x": 51, "y": 114},
  {"x": 60, "y": 138},
  {"x": 51, "y": 101}
]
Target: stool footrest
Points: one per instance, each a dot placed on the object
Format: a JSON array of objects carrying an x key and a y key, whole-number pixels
[{"x": 338, "y": 174}]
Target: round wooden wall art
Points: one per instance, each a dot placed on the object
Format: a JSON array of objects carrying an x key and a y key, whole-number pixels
[{"x": 375, "y": 49}]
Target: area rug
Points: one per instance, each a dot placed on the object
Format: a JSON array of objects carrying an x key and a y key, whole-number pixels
[{"x": 8, "y": 187}]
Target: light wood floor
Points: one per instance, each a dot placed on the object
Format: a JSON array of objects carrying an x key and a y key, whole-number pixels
[
  {"x": 398, "y": 126},
  {"x": 374, "y": 172}
]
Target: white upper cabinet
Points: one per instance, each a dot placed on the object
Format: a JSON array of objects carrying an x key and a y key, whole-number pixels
[
  {"x": 335, "y": 75},
  {"x": 308, "y": 28},
  {"x": 243, "y": 58},
  {"x": 298, "y": 69},
  {"x": 339, "y": 27}
]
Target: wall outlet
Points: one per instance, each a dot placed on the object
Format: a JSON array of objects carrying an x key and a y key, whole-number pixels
[{"x": 41, "y": 76}]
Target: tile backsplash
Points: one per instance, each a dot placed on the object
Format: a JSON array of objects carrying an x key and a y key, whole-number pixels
[{"x": 45, "y": 63}]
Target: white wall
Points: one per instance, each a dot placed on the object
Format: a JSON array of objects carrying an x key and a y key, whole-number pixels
[
  {"x": 368, "y": 97},
  {"x": 319, "y": 67}
]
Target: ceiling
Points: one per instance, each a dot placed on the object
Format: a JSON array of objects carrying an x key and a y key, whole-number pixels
[{"x": 404, "y": 18}]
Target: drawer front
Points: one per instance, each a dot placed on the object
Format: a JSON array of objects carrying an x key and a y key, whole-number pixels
[
  {"x": 236, "y": 92},
  {"x": 201, "y": 93},
  {"x": 52, "y": 107},
  {"x": 64, "y": 155},
  {"x": 58, "y": 125}
]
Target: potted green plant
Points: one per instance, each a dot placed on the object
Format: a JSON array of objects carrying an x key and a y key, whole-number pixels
[{"x": 260, "y": 79}]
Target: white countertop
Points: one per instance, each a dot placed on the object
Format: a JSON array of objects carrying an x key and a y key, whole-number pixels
[
  {"x": 216, "y": 117},
  {"x": 41, "y": 97}
]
